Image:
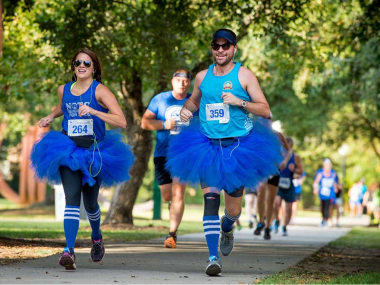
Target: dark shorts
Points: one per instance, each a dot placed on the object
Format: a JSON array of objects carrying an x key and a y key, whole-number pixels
[
  {"x": 274, "y": 180},
  {"x": 298, "y": 197},
  {"x": 162, "y": 175},
  {"x": 250, "y": 191},
  {"x": 237, "y": 193},
  {"x": 289, "y": 195}
]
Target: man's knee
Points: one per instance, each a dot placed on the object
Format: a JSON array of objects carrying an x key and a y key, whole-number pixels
[{"x": 211, "y": 204}]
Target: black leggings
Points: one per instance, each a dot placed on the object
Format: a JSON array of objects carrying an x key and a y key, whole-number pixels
[
  {"x": 325, "y": 209},
  {"x": 72, "y": 186}
]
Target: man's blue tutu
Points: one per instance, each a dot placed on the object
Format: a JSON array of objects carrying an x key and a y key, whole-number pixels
[
  {"x": 55, "y": 149},
  {"x": 193, "y": 158}
]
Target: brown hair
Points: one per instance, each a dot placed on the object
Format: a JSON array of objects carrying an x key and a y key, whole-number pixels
[
  {"x": 289, "y": 140},
  {"x": 95, "y": 61}
]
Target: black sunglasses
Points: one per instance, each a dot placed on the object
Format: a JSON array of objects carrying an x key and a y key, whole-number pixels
[
  {"x": 216, "y": 47},
  {"x": 78, "y": 62}
]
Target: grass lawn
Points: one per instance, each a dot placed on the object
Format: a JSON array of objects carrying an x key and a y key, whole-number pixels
[
  {"x": 143, "y": 229},
  {"x": 351, "y": 259}
]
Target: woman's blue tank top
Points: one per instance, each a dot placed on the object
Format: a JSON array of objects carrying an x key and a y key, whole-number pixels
[
  {"x": 70, "y": 106},
  {"x": 212, "y": 87}
]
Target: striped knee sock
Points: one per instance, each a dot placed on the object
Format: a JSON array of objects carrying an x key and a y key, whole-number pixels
[
  {"x": 229, "y": 221},
  {"x": 211, "y": 227},
  {"x": 94, "y": 219},
  {"x": 71, "y": 224}
]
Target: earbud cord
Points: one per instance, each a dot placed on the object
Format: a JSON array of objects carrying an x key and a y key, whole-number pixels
[{"x": 96, "y": 145}]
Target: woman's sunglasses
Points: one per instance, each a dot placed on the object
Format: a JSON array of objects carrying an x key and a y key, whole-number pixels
[
  {"x": 78, "y": 62},
  {"x": 216, "y": 47}
]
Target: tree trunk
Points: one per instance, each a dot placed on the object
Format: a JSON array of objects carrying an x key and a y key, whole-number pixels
[{"x": 141, "y": 142}]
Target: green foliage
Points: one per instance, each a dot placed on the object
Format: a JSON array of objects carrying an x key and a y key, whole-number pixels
[{"x": 317, "y": 62}]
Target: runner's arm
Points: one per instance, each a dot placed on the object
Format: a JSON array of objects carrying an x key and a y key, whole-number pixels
[
  {"x": 192, "y": 104},
  {"x": 106, "y": 98},
  {"x": 259, "y": 105},
  {"x": 289, "y": 151},
  {"x": 149, "y": 122},
  {"x": 316, "y": 183},
  {"x": 57, "y": 112},
  {"x": 299, "y": 168}
]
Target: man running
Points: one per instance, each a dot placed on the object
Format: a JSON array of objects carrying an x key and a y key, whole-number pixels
[
  {"x": 163, "y": 115},
  {"x": 267, "y": 193},
  {"x": 286, "y": 189},
  {"x": 227, "y": 150}
]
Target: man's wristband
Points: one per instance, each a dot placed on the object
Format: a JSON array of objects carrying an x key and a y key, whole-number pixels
[{"x": 163, "y": 125}]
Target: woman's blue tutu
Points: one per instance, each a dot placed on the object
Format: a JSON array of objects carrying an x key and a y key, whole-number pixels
[
  {"x": 194, "y": 159},
  {"x": 55, "y": 149}
]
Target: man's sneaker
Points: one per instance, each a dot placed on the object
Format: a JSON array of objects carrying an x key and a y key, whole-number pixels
[
  {"x": 171, "y": 240},
  {"x": 67, "y": 259},
  {"x": 250, "y": 224},
  {"x": 214, "y": 266},
  {"x": 97, "y": 250},
  {"x": 258, "y": 229},
  {"x": 267, "y": 233},
  {"x": 276, "y": 225},
  {"x": 284, "y": 231},
  {"x": 226, "y": 240}
]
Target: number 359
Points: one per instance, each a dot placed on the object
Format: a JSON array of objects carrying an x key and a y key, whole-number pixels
[{"x": 217, "y": 113}]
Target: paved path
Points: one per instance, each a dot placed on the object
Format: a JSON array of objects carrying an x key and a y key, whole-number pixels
[{"x": 148, "y": 262}]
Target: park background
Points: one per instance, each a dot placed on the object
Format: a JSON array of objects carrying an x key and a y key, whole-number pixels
[{"x": 317, "y": 63}]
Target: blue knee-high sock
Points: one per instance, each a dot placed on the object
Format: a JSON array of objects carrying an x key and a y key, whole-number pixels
[
  {"x": 71, "y": 224},
  {"x": 94, "y": 218},
  {"x": 229, "y": 221},
  {"x": 211, "y": 227}
]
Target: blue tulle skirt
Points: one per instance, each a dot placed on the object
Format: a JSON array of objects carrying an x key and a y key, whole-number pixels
[
  {"x": 193, "y": 158},
  {"x": 55, "y": 149}
]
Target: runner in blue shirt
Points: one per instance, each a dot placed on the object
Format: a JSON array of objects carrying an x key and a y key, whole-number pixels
[
  {"x": 227, "y": 150},
  {"x": 163, "y": 115},
  {"x": 83, "y": 156},
  {"x": 325, "y": 186},
  {"x": 286, "y": 189}
]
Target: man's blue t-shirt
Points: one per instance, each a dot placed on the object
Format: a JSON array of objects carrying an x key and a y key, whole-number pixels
[{"x": 166, "y": 107}]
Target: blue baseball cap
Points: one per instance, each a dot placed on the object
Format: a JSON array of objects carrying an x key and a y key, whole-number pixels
[{"x": 227, "y": 34}]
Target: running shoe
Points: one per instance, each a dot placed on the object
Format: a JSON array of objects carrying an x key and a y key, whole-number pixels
[
  {"x": 267, "y": 233},
  {"x": 276, "y": 225},
  {"x": 67, "y": 259},
  {"x": 171, "y": 240},
  {"x": 214, "y": 266},
  {"x": 97, "y": 250},
  {"x": 255, "y": 218},
  {"x": 238, "y": 225},
  {"x": 250, "y": 224},
  {"x": 258, "y": 229},
  {"x": 226, "y": 240},
  {"x": 284, "y": 231}
]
